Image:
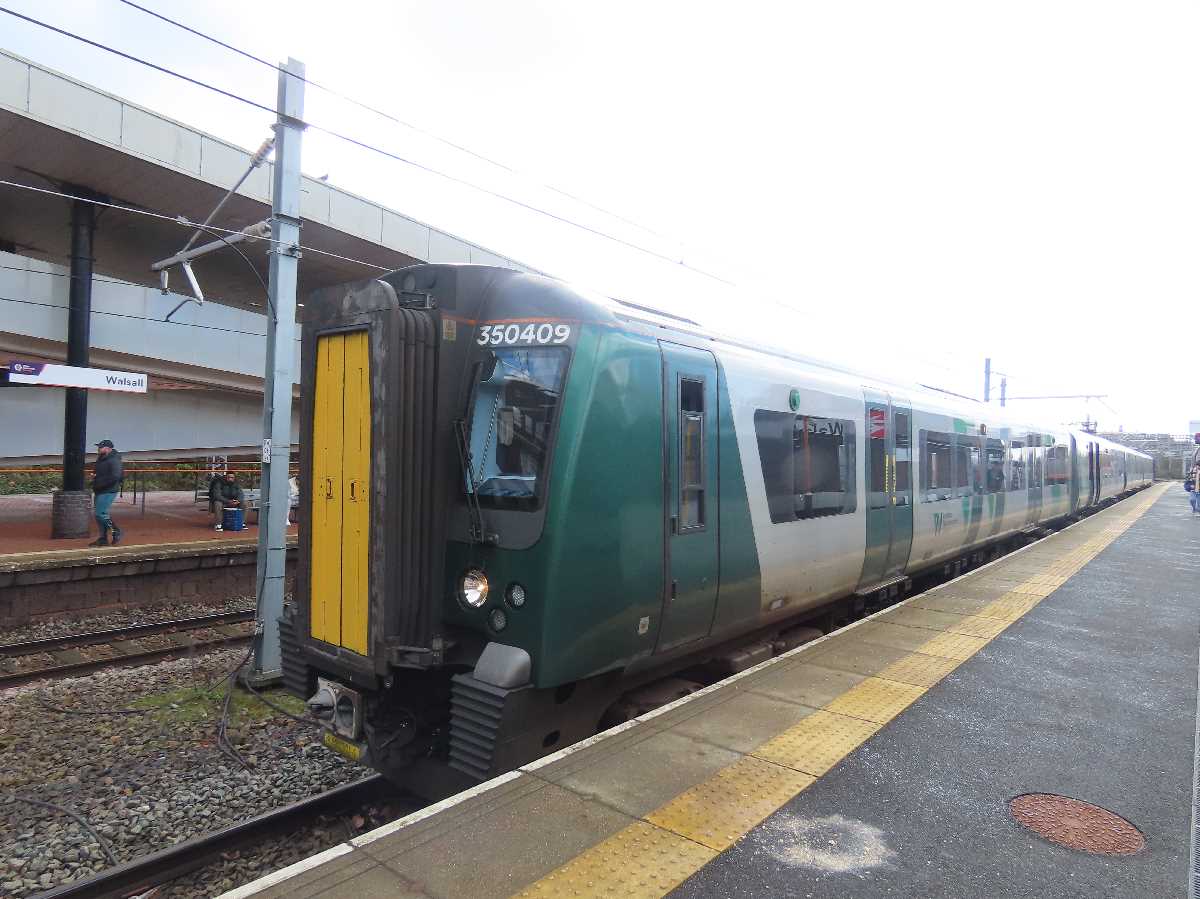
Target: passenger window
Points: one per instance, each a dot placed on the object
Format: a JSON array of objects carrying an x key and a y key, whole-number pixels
[
  {"x": 903, "y": 459},
  {"x": 1057, "y": 466},
  {"x": 691, "y": 454},
  {"x": 1016, "y": 477},
  {"x": 937, "y": 465},
  {"x": 963, "y": 469},
  {"x": 995, "y": 466},
  {"x": 807, "y": 464},
  {"x": 977, "y": 472},
  {"x": 878, "y": 450},
  {"x": 1033, "y": 462}
]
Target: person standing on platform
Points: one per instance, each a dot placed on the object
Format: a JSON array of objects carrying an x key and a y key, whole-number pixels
[
  {"x": 225, "y": 493},
  {"x": 106, "y": 481},
  {"x": 1191, "y": 475}
]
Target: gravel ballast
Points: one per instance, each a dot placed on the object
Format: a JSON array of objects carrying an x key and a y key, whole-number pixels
[
  {"x": 147, "y": 781},
  {"x": 66, "y": 626}
]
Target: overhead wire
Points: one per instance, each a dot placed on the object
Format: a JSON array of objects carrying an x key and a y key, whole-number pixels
[
  {"x": 140, "y": 318},
  {"x": 129, "y": 56},
  {"x": 183, "y": 221},
  {"x": 103, "y": 279},
  {"x": 391, "y": 118},
  {"x": 353, "y": 141}
]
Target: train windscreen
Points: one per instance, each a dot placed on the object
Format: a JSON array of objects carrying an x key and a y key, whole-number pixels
[{"x": 512, "y": 419}]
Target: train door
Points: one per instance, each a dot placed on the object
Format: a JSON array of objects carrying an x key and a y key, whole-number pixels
[
  {"x": 889, "y": 525},
  {"x": 1035, "y": 456},
  {"x": 690, "y": 448},
  {"x": 1093, "y": 473},
  {"x": 341, "y": 470},
  {"x": 902, "y": 489},
  {"x": 1074, "y": 488}
]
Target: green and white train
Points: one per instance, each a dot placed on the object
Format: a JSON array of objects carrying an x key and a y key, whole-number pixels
[{"x": 524, "y": 502}]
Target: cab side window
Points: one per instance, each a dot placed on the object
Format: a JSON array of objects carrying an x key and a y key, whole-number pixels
[{"x": 691, "y": 454}]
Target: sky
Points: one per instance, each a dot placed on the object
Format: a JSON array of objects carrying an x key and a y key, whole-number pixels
[{"x": 906, "y": 188}]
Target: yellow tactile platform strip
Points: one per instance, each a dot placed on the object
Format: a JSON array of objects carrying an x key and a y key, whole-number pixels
[{"x": 652, "y": 856}]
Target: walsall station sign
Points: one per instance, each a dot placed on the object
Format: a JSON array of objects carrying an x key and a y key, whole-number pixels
[{"x": 47, "y": 374}]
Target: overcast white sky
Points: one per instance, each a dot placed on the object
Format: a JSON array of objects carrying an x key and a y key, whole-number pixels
[{"x": 905, "y": 186}]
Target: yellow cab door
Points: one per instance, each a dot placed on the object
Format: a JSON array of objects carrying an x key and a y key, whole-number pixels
[{"x": 341, "y": 468}]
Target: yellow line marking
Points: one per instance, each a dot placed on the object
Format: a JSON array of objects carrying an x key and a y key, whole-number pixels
[
  {"x": 919, "y": 669},
  {"x": 876, "y": 699},
  {"x": 650, "y": 857},
  {"x": 722, "y": 809},
  {"x": 818, "y": 742},
  {"x": 639, "y": 861},
  {"x": 979, "y": 626},
  {"x": 1009, "y": 607},
  {"x": 953, "y": 646}
]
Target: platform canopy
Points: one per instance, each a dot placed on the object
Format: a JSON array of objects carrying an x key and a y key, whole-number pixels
[{"x": 61, "y": 134}]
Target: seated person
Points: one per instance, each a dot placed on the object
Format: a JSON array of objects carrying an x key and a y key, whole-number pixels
[{"x": 225, "y": 493}]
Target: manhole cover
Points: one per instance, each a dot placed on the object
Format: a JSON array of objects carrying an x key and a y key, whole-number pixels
[{"x": 1076, "y": 825}]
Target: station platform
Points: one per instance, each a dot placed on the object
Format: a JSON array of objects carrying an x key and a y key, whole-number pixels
[
  {"x": 878, "y": 761},
  {"x": 169, "y": 555},
  {"x": 159, "y": 518}
]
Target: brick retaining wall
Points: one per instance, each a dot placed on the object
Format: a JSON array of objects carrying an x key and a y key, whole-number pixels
[{"x": 33, "y": 588}]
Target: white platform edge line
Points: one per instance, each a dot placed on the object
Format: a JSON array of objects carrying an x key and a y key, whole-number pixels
[
  {"x": 430, "y": 810},
  {"x": 305, "y": 864}
]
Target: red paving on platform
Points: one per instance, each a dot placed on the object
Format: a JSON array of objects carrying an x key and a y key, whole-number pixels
[{"x": 169, "y": 516}]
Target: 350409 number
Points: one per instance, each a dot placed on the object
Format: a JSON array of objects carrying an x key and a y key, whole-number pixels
[{"x": 523, "y": 335}]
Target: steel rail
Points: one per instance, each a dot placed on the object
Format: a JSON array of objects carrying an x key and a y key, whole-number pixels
[
  {"x": 16, "y": 678},
  {"x": 132, "y": 631},
  {"x": 168, "y": 864}
]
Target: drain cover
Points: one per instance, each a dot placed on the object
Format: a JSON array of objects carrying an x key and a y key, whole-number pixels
[{"x": 1076, "y": 825}]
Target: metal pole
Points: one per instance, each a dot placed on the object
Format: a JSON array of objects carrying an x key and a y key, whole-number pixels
[
  {"x": 1003, "y": 391},
  {"x": 280, "y": 370},
  {"x": 83, "y": 227},
  {"x": 987, "y": 380}
]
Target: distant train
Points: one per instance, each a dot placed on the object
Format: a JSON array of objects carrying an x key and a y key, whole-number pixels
[{"x": 525, "y": 501}]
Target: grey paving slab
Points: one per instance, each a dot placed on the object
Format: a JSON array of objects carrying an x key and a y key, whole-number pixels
[
  {"x": 638, "y": 778},
  {"x": 973, "y": 588},
  {"x": 895, "y": 636},
  {"x": 744, "y": 722},
  {"x": 1092, "y": 695},
  {"x": 947, "y": 602},
  {"x": 808, "y": 683},
  {"x": 927, "y": 619},
  {"x": 499, "y": 844},
  {"x": 858, "y": 656}
]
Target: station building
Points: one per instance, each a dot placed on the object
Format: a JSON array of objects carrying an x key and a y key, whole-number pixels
[{"x": 206, "y": 363}]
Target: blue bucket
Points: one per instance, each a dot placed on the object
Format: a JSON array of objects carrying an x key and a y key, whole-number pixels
[{"x": 234, "y": 519}]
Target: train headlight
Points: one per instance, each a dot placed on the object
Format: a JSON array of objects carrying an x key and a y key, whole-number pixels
[
  {"x": 474, "y": 588},
  {"x": 498, "y": 620},
  {"x": 515, "y": 595}
]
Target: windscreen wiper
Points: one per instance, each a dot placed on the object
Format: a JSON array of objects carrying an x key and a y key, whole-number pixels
[{"x": 476, "y": 528}]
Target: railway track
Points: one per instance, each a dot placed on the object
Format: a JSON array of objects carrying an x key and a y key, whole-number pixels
[
  {"x": 135, "y": 644},
  {"x": 161, "y": 867}
]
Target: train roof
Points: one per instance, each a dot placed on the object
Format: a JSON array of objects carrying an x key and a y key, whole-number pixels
[
  {"x": 657, "y": 322},
  {"x": 931, "y": 398}
]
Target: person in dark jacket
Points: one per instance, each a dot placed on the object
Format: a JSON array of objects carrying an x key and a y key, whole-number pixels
[
  {"x": 225, "y": 493},
  {"x": 106, "y": 481}
]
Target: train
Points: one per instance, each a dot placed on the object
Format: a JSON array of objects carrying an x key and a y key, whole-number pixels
[{"x": 524, "y": 502}]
